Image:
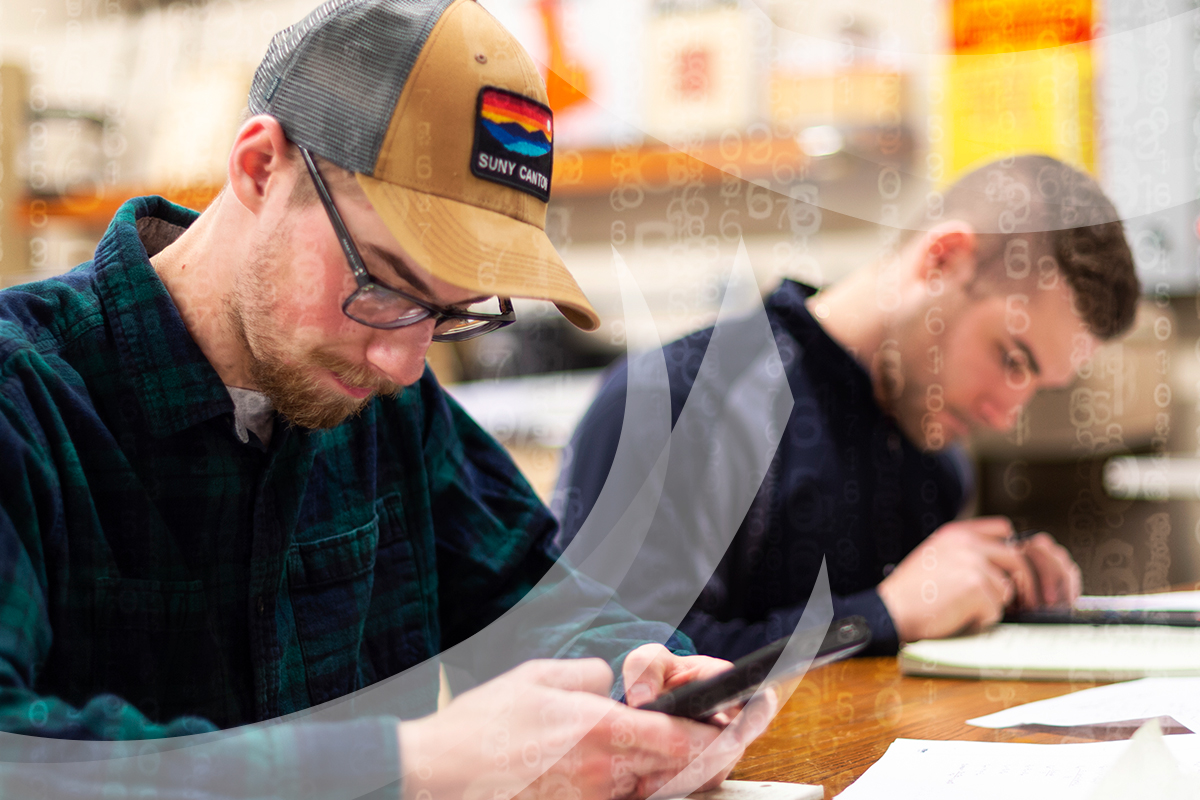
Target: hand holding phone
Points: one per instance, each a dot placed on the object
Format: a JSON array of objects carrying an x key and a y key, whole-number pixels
[{"x": 700, "y": 700}]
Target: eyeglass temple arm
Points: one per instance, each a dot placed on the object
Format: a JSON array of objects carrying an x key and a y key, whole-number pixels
[{"x": 356, "y": 265}]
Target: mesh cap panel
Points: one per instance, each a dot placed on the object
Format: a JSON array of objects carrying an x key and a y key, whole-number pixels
[{"x": 333, "y": 79}]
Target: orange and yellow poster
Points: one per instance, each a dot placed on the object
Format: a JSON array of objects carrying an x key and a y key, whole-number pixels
[{"x": 1019, "y": 80}]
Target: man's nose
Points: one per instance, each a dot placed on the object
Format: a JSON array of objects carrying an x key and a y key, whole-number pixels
[{"x": 399, "y": 354}]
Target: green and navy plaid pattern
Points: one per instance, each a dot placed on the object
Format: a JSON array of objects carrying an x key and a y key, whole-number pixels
[{"x": 160, "y": 577}]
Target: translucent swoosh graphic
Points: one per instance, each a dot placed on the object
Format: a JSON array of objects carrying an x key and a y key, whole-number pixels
[{"x": 740, "y": 403}]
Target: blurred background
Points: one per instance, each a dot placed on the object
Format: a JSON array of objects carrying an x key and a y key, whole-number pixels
[{"x": 809, "y": 130}]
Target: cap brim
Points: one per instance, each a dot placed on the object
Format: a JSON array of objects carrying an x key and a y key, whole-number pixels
[{"x": 478, "y": 249}]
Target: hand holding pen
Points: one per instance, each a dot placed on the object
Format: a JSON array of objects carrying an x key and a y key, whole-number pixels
[
  {"x": 1057, "y": 579},
  {"x": 968, "y": 573}
]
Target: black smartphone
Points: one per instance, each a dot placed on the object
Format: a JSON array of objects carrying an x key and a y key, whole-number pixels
[{"x": 699, "y": 700}]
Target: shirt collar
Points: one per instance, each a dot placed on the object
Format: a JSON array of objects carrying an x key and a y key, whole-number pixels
[
  {"x": 175, "y": 385},
  {"x": 788, "y": 302}
]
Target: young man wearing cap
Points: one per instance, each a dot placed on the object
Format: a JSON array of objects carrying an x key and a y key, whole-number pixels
[
  {"x": 230, "y": 489},
  {"x": 1024, "y": 270}
]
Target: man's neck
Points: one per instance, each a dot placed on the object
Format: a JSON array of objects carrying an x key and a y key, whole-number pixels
[
  {"x": 862, "y": 312},
  {"x": 849, "y": 311},
  {"x": 197, "y": 271}
]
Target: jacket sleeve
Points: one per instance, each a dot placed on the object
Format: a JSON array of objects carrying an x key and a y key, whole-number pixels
[
  {"x": 504, "y": 597},
  {"x": 667, "y": 581},
  {"x": 734, "y": 638},
  {"x": 50, "y": 747}
]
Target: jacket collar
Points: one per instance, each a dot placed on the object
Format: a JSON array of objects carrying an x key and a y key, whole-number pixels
[{"x": 175, "y": 385}]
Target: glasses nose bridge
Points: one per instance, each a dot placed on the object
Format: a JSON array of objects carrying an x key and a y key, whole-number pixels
[{"x": 439, "y": 316}]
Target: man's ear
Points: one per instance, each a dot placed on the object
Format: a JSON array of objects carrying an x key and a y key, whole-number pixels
[
  {"x": 258, "y": 161},
  {"x": 948, "y": 253}
]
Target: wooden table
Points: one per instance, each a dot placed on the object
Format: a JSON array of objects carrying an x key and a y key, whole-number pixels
[{"x": 841, "y": 718}]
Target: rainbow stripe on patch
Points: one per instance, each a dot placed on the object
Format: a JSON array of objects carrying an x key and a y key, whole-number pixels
[{"x": 518, "y": 125}]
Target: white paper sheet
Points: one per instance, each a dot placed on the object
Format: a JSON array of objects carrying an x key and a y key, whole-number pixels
[
  {"x": 1060, "y": 652},
  {"x": 762, "y": 790},
  {"x": 1166, "y": 601},
  {"x": 1149, "y": 768},
  {"x": 1178, "y": 698},
  {"x": 913, "y": 769}
]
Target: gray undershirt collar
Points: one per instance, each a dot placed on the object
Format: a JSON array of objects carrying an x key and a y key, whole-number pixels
[{"x": 252, "y": 411}]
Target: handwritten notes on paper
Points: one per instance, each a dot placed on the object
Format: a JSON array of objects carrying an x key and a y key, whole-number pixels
[{"x": 913, "y": 769}]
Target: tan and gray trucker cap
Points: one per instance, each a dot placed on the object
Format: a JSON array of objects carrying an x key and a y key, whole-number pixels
[{"x": 442, "y": 115}]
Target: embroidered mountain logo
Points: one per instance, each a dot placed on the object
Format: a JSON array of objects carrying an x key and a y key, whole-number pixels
[{"x": 514, "y": 142}]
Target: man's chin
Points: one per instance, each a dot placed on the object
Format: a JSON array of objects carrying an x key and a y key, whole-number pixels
[
  {"x": 318, "y": 391},
  {"x": 932, "y": 436},
  {"x": 308, "y": 399},
  {"x": 940, "y": 435},
  {"x": 321, "y": 414}
]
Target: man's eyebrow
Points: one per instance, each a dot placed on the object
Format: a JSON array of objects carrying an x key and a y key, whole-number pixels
[
  {"x": 1034, "y": 367},
  {"x": 400, "y": 268},
  {"x": 406, "y": 274}
]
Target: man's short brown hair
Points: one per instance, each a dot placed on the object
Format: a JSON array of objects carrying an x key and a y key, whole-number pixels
[
  {"x": 1060, "y": 212},
  {"x": 304, "y": 193}
]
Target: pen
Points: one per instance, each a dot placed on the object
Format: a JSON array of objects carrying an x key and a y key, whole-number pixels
[{"x": 1020, "y": 536}]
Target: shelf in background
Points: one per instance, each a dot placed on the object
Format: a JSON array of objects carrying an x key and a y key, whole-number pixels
[
  {"x": 751, "y": 155},
  {"x": 96, "y": 211}
]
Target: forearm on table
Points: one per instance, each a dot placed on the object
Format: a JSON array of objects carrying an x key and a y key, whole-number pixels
[{"x": 734, "y": 638}]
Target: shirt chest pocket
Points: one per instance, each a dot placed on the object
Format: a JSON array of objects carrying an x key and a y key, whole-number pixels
[
  {"x": 364, "y": 604},
  {"x": 330, "y": 582}
]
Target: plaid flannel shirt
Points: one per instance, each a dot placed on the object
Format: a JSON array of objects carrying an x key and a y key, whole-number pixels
[{"x": 159, "y": 577}]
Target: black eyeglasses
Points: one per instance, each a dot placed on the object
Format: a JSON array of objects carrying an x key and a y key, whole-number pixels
[{"x": 380, "y": 306}]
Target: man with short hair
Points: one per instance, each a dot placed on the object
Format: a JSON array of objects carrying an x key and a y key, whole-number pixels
[
  {"x": 232, "y": 491},
  {"x": 1023, "y": 271}
]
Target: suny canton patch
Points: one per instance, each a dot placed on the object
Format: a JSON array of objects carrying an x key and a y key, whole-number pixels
[{"x": 514, "y": 142}]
